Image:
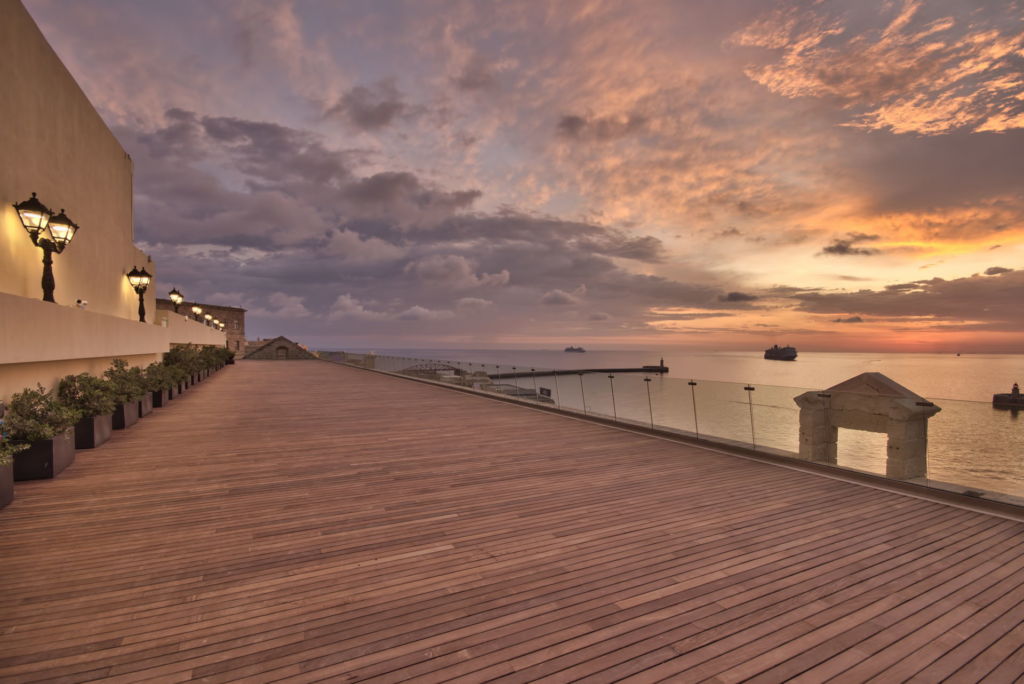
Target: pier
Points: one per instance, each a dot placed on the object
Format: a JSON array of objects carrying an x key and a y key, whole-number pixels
[
  {"x": 658, "y": 370},
  {"x": 311, "y": 521}
]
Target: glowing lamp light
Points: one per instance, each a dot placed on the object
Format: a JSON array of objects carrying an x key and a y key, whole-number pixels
[
  {"x": 62, "y": 230},
  {"x": 34, "y": 215},
  {"x": 140, "y": 280},
  {"x": 48, "y": 232}
]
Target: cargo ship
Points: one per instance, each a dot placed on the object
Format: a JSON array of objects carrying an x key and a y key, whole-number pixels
[{"x": 777, "y": 353}]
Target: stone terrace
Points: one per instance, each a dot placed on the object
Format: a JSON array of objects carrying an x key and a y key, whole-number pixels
[{"x": 306, "y": 521}]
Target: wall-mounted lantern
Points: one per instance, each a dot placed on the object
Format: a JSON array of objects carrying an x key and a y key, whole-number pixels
[
  {"x": 48, "y": 232},
  {"x": 197, "y": 311},
  {"x": 176, "y": 298},
  {"x": 140, "y": 280}
]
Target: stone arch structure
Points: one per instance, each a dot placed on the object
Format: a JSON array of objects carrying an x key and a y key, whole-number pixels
[
  {"x": 871, "y": 402},
  {"x": 279, "y": 349}
]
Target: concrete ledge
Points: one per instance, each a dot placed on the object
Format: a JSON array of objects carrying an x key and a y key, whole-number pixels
[{"x": 35, "y": 331}]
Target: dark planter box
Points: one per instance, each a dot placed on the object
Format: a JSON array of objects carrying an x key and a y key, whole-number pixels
[
  {"x": 126, "y": 415},
  {"x": 6, "y": 484},
  {"x": 146, "y": 404},
  {"x": 92, "y": 431},
  {"x": 160, "y": 398},
  {"x": 46, "y": 458}
]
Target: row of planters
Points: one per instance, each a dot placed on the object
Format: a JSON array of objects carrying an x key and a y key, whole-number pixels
[{"x": 41, "y": 430}]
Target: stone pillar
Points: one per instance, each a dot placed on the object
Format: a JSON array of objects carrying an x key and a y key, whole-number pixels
[
  {"x": 818, "y": 436},
  {"x": 907, "y": 452}
]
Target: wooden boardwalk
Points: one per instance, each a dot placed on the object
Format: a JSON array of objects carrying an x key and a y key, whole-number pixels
[{"x": 310, "y": 522}]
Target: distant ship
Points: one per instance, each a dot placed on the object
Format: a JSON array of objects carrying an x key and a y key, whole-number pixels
[
  {"x": 578, "y": 350},
  {"x": 777, "y": 353}
]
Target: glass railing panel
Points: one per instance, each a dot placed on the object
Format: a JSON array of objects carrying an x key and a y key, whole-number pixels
[
  {"x": 776, "y": 417},
  {"x": 971, "y": 443},
  {"x": 724, "y": 411}
]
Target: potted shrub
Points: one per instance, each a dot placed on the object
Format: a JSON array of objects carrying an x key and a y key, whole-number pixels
[
  {"x": 158, "y": 382},
  {"x": 37, "y": 419},
  {"x": 183, "y": 359},
  {"x": 126, "y": 385},
  {"x": 7, "y": 451},
  {"x": 91, "y": 397}
]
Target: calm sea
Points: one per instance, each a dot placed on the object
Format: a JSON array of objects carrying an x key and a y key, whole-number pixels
[{"x": 970, "y": 443}]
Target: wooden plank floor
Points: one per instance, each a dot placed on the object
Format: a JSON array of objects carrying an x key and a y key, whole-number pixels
[{"x": 310, "y": 522}]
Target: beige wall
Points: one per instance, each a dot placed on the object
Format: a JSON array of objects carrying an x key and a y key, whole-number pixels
[
  {"x": 19, "y": 376},
  {"x": 41, "y": 342},
  {"x": 53, "y": 142}
]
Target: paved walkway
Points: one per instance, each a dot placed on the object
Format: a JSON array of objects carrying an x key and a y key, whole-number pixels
[{"x": 305, "y": 521}]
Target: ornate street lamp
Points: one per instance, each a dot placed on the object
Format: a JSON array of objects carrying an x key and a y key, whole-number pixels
[
  {"x": 140, "y": 280},
  {"x": 175, "y": 298},
  {"x": 216, "y": 322},
  {"x": 48, "y": 232},
  {"x": 197, "y": 311},
  {"x": 208, "y": 317}
]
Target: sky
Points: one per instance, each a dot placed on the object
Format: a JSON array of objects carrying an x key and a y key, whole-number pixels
[{"x": 727, "y": 174}]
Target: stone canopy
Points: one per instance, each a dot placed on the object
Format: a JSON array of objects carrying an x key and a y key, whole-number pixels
[
  {"x": 280, "y": 349},
  {"x": 874, "y": 403}
]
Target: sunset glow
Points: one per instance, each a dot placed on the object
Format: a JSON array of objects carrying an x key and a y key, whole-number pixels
[{"x": 835, "y": 175}]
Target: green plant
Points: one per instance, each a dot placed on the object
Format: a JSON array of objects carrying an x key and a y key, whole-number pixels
[
  {"x": 8, "y": 449},
  {"x": 184, "y": 357},
  {"x": 158, "y": 377},
  {"x": 126, "y": 383},
  {"x": 35, "y": 414},
  {"x": 87, "y": 394}
]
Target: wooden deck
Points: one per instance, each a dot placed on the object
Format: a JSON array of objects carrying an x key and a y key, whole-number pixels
[{"x": 308, "y": 522}]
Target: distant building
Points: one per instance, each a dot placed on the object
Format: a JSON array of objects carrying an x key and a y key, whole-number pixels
[
  {"x": 233, "y": 318},
  {"x": 278, "y": 349}
]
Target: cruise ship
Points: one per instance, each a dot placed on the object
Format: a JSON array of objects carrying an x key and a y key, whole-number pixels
[{"x": 777, "y": 353}]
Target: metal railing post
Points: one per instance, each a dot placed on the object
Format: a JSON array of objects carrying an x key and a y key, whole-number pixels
[
  {"x": 615, "y": 411},
  {"x": 650, "y": 407},
  {"x": 693, "y": 400},
  {"x": 750, "y": 405},
  {"x": 583, "y": 397}
]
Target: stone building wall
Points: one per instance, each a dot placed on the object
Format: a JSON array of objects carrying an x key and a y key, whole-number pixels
[{"x": 233, "y": 318}]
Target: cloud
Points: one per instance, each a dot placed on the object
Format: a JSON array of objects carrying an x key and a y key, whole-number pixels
[
  {"x": 347, "y": 306},
  {"x": 598, "y": 316},
  {"x": 737, "y": 297},
  {"x": 847, "y": 246},
  {"x": 558, "y": 297},
  {"x": 918, "y": 71},
  {"x": 281, "y": 305},
  {"x": 851, "y": 319},
  {"x": 599, "y": 129},
  {"x": 472, "y": 304},
  {"x": 996, "y": 270},
  {"x": 989, "y": 301},
  {"x": 455, "y": 272},
  {"x": 419, "y": 313},
  {"x": 370, "y": 108}
]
